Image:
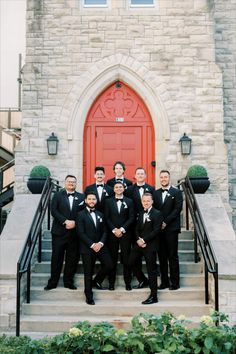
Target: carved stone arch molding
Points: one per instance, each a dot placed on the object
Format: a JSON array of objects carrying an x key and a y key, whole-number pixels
[{"x": 100, "y": 75}]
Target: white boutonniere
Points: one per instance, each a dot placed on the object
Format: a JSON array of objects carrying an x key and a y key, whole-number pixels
[
  {"x": 99, "y": 219},
  {"x": 125, "y": 205},
  {"x": 146, "y": 189},
  {"x": 76, "y": 198}
]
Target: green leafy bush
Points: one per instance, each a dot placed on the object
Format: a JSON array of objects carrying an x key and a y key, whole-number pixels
[
  {"x": 197, "y": 171},
  {"x": 149, "y": 334},
  {"x": 39, "y": 171}
]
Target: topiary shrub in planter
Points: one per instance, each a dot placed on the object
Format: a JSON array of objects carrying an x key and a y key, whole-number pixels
[
  {"x": 198, "y": 178},
  {"x": 37, "y": 179}
]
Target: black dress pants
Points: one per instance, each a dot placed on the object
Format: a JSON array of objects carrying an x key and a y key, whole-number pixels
[{"x": 63, "y": 247}]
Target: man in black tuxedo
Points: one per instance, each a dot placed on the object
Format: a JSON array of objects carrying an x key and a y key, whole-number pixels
[
  {"x": 92, "y": 236},
  {"x": 147, "y": 234},
  {"x": 135, "y": 192},
  {"x": 64, "y": 208},
  {"x": 119, "y": 169},
  {"x": 100, "y": 188},
  {"x": 119, "y": 213},
  {"x": 169, "y": 201}
]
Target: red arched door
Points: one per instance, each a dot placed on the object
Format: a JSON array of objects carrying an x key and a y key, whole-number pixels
[{"x": 118, "y": 128}]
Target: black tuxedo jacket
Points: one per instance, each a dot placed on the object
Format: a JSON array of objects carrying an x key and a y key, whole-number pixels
[
  {"x": 149, "y": 229},
  {"x": 107, "y": 193},
  {"x": 124, "y": 219},
  {"x": 60, "y": 210},
  {"x": 126, "y": 182},
  {"x": 132, "y": 192},
  {"x": 88, "y": 233},
  {"x": 171, "y": 208}
]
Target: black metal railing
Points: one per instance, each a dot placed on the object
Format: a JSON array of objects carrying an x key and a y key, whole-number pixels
[
  {"x": 34, "y": 238},
  {"x": 201, "y": 239}
]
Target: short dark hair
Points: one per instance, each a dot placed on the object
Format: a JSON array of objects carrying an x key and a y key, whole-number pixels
[
  {"x": 118, "y": 182},
  {"x": 140, "y": 168},
  {"x": 119, "y": 163},
  {"x": 165, "y": 171},
  {"x": 147, "y": 194},
  {"x": 99, "y": 168},
  {"x": 90, "y": 193},
  {"x": 70, "y": 176}
]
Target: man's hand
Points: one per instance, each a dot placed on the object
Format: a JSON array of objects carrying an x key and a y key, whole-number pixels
[
  {"x": 141, "y": 243},
  {"x": 163, "y": 225},
  {"x": 97, "y": 246},
  {"x": 117, "y": 232},
  {"x": 69, "y": 224}
]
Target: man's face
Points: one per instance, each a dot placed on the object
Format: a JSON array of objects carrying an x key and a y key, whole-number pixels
[
  {"x": 99, "y": 176},
  {"x": 147, "y": 201},
  {"x": 70, "y": 184},
  {"x": 91, "y": 200},
  {"x": 140, "y": 175},
  {"x": 119, "y": 171},
  {"x": 164, "y": 179},
  {"x": 119, "y": 189}
]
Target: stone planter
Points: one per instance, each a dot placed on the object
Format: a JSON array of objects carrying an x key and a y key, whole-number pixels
[
  {"x": 36, "y": 184},
  {"x": 199, "y": 184}
]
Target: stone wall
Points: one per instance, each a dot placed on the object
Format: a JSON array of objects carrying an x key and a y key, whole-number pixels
[
  {"x": 225, "y": 42},
  {"x": 166, "y": 53}
]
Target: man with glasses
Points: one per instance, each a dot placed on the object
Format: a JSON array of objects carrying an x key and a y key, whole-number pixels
[{"x": 64, "y": 208}]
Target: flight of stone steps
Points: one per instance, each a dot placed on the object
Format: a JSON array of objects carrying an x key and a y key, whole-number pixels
[{"x": 57, "y": 310}]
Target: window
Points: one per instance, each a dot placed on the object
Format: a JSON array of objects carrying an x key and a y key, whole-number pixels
[
  {"x": 141, "y": 2},
  {"x": 95, "y": 3}
]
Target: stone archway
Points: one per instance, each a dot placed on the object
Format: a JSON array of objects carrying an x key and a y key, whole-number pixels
[{"x": 98, "y": 78}]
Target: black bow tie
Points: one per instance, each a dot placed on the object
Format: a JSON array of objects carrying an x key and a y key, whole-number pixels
[
  {"x": 119, "y": 180},
  {"x": 119, "y": 199},
  {"x": 100, "y": 185},
  {"x": 145, "y": 211},
  {"x": 70, "y": 194},
  {"x": 164, "y": 190},
  {"x": 92, "y": 210},
  {"x": 140, "y": 187}
]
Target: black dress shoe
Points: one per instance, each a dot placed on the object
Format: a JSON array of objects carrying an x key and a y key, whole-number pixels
[
  {"x": 90, "y": 302},
  {"x": 70, "y": 286},
  {"x": 174, "y": 287},
  {"x": 128, "y": 287},
  {"x": 111, "y": 287},
  {"x": 150, "y": 300},
  {"x": 98, "y": 286},
  {"x": 163, "y": 286},
  {"x": 142, "y": 284},
  {"x": 49, "y": 287}
]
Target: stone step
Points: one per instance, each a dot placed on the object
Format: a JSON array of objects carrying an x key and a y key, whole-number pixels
[
  {"x": 185, "y": 267},
  {"x": 64, "y": 294},
  {"x": 58, "y": 316},
  {"x": 40, "y": 279},
  {"x": 184, "y": 256},
  {"x": 183, "y": 244}
]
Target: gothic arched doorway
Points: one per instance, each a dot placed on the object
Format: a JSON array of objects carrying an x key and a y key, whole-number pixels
[{"x": 118, "y": 127}]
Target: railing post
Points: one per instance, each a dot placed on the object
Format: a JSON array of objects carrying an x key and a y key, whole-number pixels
[
  {"x": 28, "y": 283},
  {"x": 40, "y": 246},
  {"x": 206, "y": 286},
  {"x": 18, "y": 278},
  {"x": 196, "y": 258},
  {"x": 187, "y": 216},
  {"x": 216, "y": 288}
]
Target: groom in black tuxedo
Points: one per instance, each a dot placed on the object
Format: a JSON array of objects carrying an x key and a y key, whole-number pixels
[
  {"x": 147, "y": 238},
  {"x": 64, "y": 208},
  {"x": 100, "y": 188},
  {"x": 92, "y": 237},
  {"x": 169, "y": 201},
  {"x": 119, "y": 213}
]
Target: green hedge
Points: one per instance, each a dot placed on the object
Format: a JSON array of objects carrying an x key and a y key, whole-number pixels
[{"x": 149, "y": 334}]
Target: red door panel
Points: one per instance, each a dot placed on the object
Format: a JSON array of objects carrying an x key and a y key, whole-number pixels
[{"x": 118, "y": 127}]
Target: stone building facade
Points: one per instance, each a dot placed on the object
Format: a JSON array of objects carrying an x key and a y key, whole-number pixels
[{"x": 177, "y": 55}]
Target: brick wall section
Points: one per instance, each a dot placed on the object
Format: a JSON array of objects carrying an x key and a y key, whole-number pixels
[
  {"x": 225, "y": 42},
  {"x": 174, "y": 45}
]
